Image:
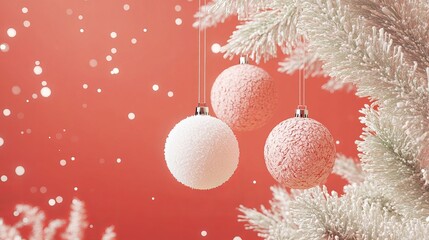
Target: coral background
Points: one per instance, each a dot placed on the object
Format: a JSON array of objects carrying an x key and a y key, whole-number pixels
[{"x": 138, "y": 195}]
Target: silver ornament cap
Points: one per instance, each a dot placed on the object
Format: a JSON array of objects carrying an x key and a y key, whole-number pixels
[
  {"x": 301, "y": 111},
  {"x": 244, "y": 60},
  {"x": 202, "y": 109}
]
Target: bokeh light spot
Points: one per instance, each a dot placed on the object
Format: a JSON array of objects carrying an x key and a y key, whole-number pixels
[
  {"x": 126, "y": 7},
  {"x": 63, "y": 162},
  {"x": 51, "y": 202},
  {"x": 3, "y": 178},
  {"x": 216, "y": 47},
  {"x": 113, "y": 35},
  {"x": 178, "y": 21},
  {"x": 16, "y": 90},
  {"x": 26, "y": 23},
  {"x": 59, "y": 199},
  {"x": 170, "y": 94},
  {"x": 4, "y": 47},
  {"x": 131, "y": 116},
  {"x": 93, "y": 63},
  {"x": 6, "y": 112},
  {"x": 203, "y": 233},
  {"x": 114, "y": 71},
  {"x": 155, "y": 87},
  {"x": 37, "y": 70},
  {"x": 45, "y": 92},
  {"x": 11, "y": 32},
  {"x": 20, "y": 170},
  {"x": 43, "y": 189}
]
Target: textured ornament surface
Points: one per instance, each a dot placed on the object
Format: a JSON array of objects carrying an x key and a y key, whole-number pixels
[
  {"x": 201, "y": 152},
  {"x": 244, "y": 97},
  {"x": 300, "y": 153}
]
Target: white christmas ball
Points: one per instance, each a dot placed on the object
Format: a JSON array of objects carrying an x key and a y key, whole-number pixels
[
  {"x": 244, "y": 97},
  {"x": 201, "y": 152}
]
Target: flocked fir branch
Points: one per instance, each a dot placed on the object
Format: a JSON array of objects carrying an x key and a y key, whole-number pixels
[
  {"x": 109, "y": 234},
  {"x": 406, "y": 21},
  {"x": 35, "y": 218},
  {"x": 217, "y": 12},
  {"x": 266, "y": 31},
  {"x": 378, "y": 69},
  {"x": 348, "y": 169},
  {"x": 382, "y": 48},
  {"x": 301, "y": 59},
  {"x": 77, "y": 221}
]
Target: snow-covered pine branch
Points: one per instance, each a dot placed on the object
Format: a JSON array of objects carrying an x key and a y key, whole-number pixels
[
  {"x": 407, "y": 22},
  {"x": 299, "y": 58},
  {"x": 366, "y": 57},
  {"x": 390, "y": 160},
  {"x": 218, "y": 11},
  {"x": 52, "y": 228},
  {"x": 271, "y": 224},
  {"x": 362, "y": 213},
  {"x": 383, "y": 50},
  {"x": 34, "y": 218},
  {"x": 353, "y": 53},
  {"x": 348, "y": 169},
  {"x": 109, "y": 234},
  {"x": 266, "y": 31},
  {"x": 77, "y": 221}
]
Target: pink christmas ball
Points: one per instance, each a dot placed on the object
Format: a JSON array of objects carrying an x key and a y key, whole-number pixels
[
  {"x": 244, "y": 97},
  {"x": 300, "y": 153}
]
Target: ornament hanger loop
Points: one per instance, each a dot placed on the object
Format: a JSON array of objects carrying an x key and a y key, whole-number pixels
[
  {"x": 202, "y": 108},
  {"x": 302, "y": 110},
  {"x": 202, "y": 74},
  {"x": 244, "y": 59}
]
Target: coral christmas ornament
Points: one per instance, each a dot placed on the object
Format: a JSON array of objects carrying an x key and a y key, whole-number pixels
[{"x": 244, "y": 96}]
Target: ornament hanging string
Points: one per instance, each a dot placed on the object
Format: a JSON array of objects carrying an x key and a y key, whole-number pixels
[
  {"x": 302, "y": 77},
  {"x": 204, "y": 72}
]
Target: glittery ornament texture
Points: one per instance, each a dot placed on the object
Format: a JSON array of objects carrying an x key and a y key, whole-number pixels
[
  {"x": 244, "y": 97},
  {"x": 201, "y": 152},
  {"x": 300, "y": 153}
]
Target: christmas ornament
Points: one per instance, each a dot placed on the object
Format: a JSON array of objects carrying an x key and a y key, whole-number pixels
[
  {"x": 244, "y": 96},
  {"x": 300, "y": 152},
  {"x": 201, "y": 151}
]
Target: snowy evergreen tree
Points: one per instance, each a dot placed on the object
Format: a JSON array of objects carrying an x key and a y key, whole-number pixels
[{"x": 380, "y": 47}]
